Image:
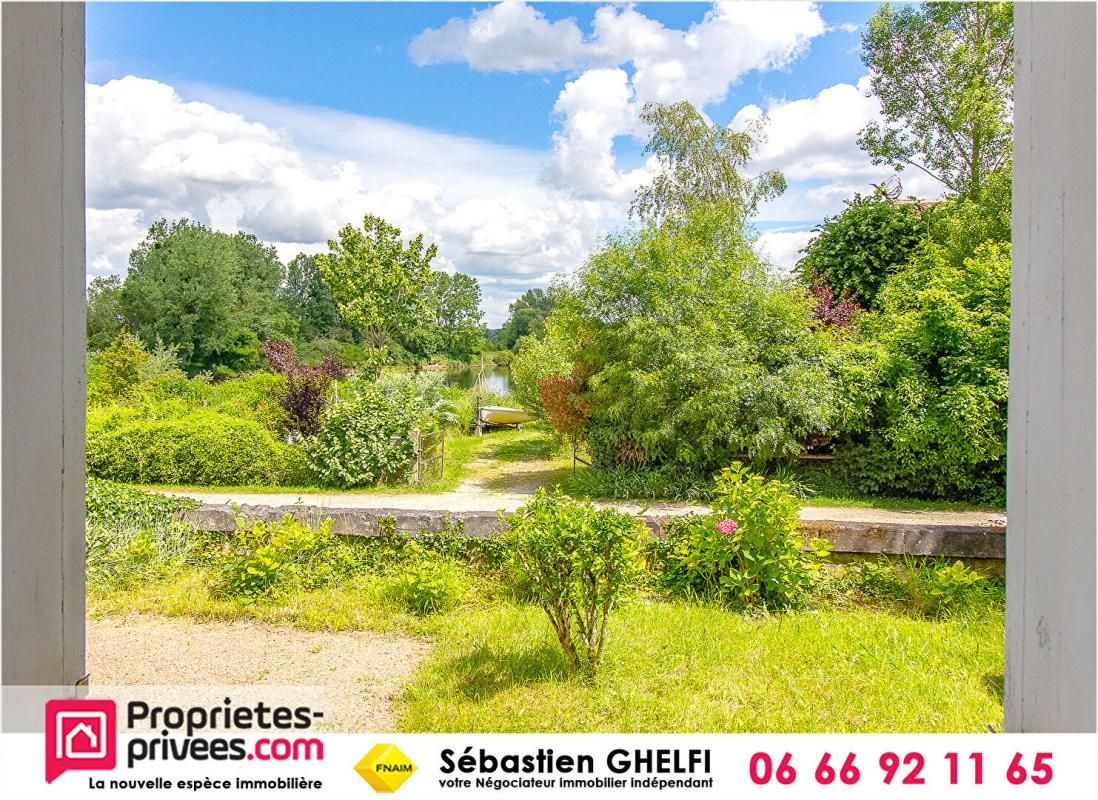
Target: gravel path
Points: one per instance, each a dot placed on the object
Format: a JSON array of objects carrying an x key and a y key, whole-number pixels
[
  {"x": 472, "y": 500},
  {"x": 352, "y": 677}
]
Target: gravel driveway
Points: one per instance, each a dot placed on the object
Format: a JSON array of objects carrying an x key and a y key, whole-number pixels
[{"x": 353, "y": 677}]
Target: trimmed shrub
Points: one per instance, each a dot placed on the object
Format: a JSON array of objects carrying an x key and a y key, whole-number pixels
[
  {"x": 578, "y": 561},
  {"x": 202, "y": 447}
]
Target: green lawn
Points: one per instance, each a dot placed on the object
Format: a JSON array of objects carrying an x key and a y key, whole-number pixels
[{"x": 670, "y": 665}]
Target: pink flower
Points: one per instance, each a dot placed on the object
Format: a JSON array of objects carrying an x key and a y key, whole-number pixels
[{"x": 727, "y": 526}]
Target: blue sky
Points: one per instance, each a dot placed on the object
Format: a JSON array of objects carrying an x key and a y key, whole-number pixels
[{"x": 506, "y": 133}]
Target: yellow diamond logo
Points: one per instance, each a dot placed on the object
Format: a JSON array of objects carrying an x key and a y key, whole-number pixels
[{"x": 385, "y": 767}]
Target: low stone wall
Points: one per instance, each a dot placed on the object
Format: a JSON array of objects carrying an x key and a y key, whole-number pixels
[{"x": 896, "y": 538}]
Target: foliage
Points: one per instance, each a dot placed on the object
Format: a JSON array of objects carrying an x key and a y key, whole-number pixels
[
  {"x": 702, "y": 165},
  {"x": 365, "y": 437},
  {"x": 199, "y": 447},
  {"x": 116, "y": 370},
  {"x": 939, "y": 427},
  {"x": 108, "y": 503},
  {"x": 526, "y": 316},
  {"x": 308, "y": 299},
  {"x": 748, "y": 551},
  {"x": 962, "y": 224},
  {"x": 104, "y": 311},
  {"x": 305, "y": 392},
  {"x": 456, "y": 302},
  {"x": 551, "y": 353},
  {"x": 428, "y": 586},
  {"x": 210, "y": 295},
  {"x": 567, "y": 414},
  {"x": 944, "y": 75},
  {"x": 579, "y": 562},
  {"x": 854, "y": 252},
  {"x": 617, "y": 482},
  {"x": 829, "y": 310},
  {"x": 259, "y": 557},
  {"x": 698, "y": 355},
  {"x": 932, "y": 586},
  {"x": 379, "y": 282}
]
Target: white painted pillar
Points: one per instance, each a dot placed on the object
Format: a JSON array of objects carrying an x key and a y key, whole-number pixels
[
  {"x": 42, "y": 344},
  {"x": 1050, "y": 666}
]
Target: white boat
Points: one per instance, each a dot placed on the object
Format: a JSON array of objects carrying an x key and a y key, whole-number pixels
[{"x": 499, "y": 415}]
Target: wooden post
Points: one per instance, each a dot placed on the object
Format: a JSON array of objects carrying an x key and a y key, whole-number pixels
[{"x": 415, "y": 445}]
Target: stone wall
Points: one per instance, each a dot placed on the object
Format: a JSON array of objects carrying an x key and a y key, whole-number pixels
[{"x": 897, "y": 538}]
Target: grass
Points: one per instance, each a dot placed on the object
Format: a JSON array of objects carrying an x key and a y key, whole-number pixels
[
  {"x": 674, "y": 666},
  {"x": 670, "y": 665}
]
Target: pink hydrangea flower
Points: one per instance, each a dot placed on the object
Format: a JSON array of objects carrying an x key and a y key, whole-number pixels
[{"x": 727, "y": 526}]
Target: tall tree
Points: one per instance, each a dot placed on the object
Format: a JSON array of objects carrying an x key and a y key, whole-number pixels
[
  {"x": 526, "y": 315},
  {"x": 210, "y": 295},
  {"x": 379, "y": 282},
  {"x": 944, "y": 74},
  {"x": 308, "y": 298},
  {"x": 104, "y": 314},
  {"x": 457, "y": 314},
  {"x": 702, "y": 164}
]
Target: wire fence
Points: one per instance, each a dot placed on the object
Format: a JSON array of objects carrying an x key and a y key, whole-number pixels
[{"x": 429, "y": 462}]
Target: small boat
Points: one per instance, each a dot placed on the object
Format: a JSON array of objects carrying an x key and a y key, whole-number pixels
[{"x": 499, "y": 415}]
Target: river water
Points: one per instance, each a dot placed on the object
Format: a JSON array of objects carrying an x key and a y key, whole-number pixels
[{"x": 494, "y": 379}]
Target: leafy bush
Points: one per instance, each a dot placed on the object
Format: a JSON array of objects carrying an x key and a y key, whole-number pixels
[
  {"x": 579, "y": 562},
  {"x": 259, "y": 557},
  {"x": 111, "y": 504},
  {"x": 549, "y": 352},
  {"x": 200, "y": 447},
  {"x": 366, "y": 437},
  {"x": 938, "y": 429},
  {"x": 749, "y": 551},
  {"x": 306, "y": 391},
  {"x": 855, "y": 251},
  {"x": 428, "y": 586},
  {"x": 931, "y": 586},
  {"x": 940, "y": 586},
  {"x": 698, "y": 356}
]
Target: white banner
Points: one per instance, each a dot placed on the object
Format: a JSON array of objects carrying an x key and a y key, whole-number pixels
[{"x": 286, "y": 762}]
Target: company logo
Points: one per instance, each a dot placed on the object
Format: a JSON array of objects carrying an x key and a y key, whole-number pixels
[
  {"x": 385, "y": 767},
  {"x": 80, "y": 734}
]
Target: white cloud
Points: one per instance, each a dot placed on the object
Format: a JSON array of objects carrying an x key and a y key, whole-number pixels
[
  {"x": 508, "y": 36},
  {"x": 815, "y": 140},
  {"x": 601, "y": 104},
  {"x": 294, "y": 175},
  {"x": 782, "y": 248}
]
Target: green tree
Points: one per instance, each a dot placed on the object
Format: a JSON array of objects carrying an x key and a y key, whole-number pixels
[
  {"x": 210, "y": 295},
  {"x": 702, "y": 164},
  {"x": 104, "y": 312},
  {"x": 858, "y": 249},
  {"x": 308, "y": 298},
  {"x": 456, "y": 301},
  {"x": 379, "y": 282},
  {"x": 944, "y": 74},
  {"x": 938, "y": 427},
  {"x": 527, "y": 315},
  {"x": 697, "y": 355}
]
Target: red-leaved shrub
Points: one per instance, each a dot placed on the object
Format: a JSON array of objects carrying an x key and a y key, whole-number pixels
[{"x": 307, "y": 388}]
